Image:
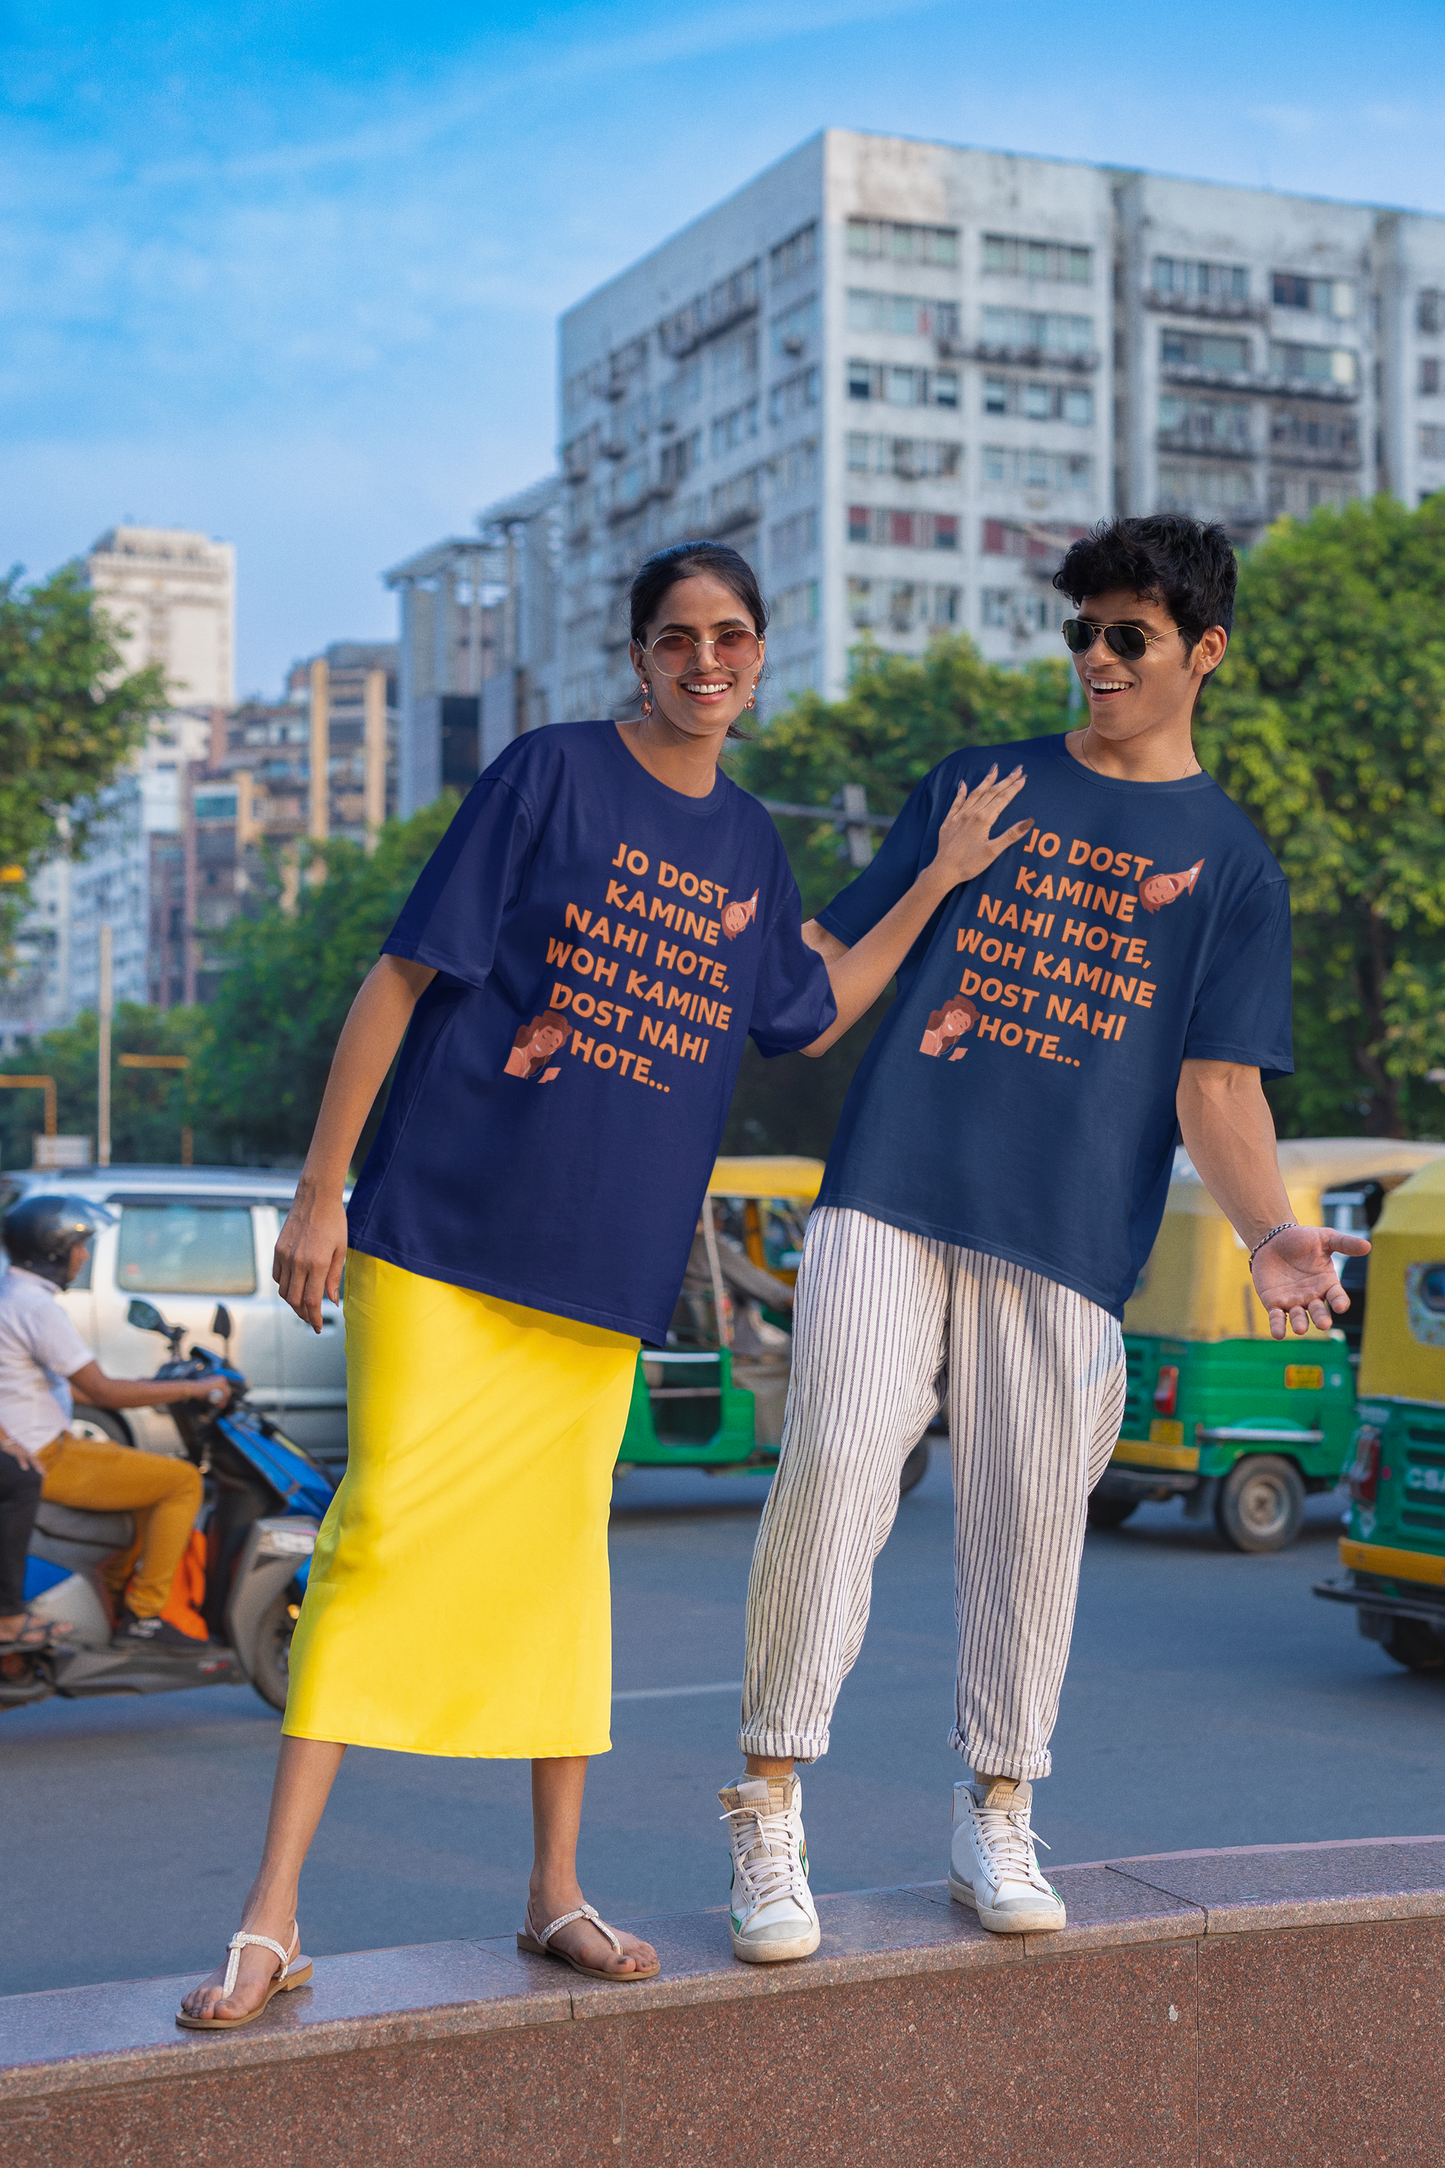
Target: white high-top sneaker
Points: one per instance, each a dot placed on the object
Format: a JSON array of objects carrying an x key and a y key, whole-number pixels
[
  {"x": 773, "y": 1914},
  {"x": 992, "y": 1865}
]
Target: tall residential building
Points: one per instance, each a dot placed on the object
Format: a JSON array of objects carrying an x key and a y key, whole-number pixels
[
  {"x": 478, "y": 641},
  {"x": 900, "y": 376},
  {"x": 172, "y": 594}
]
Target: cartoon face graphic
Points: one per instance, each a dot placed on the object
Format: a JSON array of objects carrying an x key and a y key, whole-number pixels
[
  {"x": 736, "y": 916},
  {"x": 1162, "y": 888},
  {"x": 534, "y": 1046},
  {"x": 947, "y": 1025}
]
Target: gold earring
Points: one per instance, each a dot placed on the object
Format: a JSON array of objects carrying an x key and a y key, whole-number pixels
[
  {"x": 753, "y": 695},
  {"x": 646, "y": 698}
]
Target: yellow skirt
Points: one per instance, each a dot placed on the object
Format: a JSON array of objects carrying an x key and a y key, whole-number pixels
[{"x": 458, "y": 1601}]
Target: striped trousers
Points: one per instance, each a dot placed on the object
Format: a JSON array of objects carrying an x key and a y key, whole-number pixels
[{"x": 1035, "y": 1396}]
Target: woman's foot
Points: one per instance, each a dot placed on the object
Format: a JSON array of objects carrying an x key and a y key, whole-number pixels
[
  {"x": 581, "y": 1939},
  {"x": 254, "y": 1974}
]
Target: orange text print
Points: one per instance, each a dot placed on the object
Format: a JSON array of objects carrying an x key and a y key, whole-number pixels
[
  {"x": 735, "y": 916},
  {"x": 948, "y": 1025},
  {"x": 1162, "y": 888}
]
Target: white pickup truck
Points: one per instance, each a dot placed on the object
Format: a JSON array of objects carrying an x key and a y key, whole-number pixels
[{"x": 187, "y": 1238}]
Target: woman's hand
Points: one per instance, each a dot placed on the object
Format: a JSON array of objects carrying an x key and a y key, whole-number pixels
[
  {"x": 310, "y": 1252},
  {"x": 966, "y": 845}
]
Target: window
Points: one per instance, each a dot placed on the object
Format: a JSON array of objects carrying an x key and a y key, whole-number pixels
[
  {"x": 902, "y": 530},
  {"x": 1006, "y": 610},
  {"x": 795, "y": 394},
  {"x": 798, "y": 675},
  {"x": 795, "y": 537},
  {"x": 186, "y": 1249},
  {"x": 792, "y": 330},
  {"x": 905, "y": 605},
  {"x": 795, "y": 607},
  {"x": 1038, "y": 400},
  {"x": 707, "y": 314},
  {"x": 1429, "y": 376},
  {"x": 1430, "y": 309},
  {"x": 903, "y": 244},
  {"x": 737, "y": 499},
  {"x": 682, "y": 390},
  {"x": 1322, "y": 297},
  {"x": 1203, "y": 350},
  {"x": 1213, "y": 422},
  {"x": 914, "y": 458},
  {"x": 1039, "y": 545},
  {"x": 902, "y": 386},
  {"x": 1213, "y": 488},
  {"x": 1312, "y": 364},
  {"x": 1184, "y": 278},
  {"x": 680, "y": 458},
  {"x": 1304, "y": 430},
  {"x": 795, "y": 468},
  {"x": 216, "y": 805},
  {"x": 1034, "y": 468},
  {"x": 1432, "y": 441},
  {"x": 734, "y": 357},
  {"x": 1043, "y": 331},
  {"x": 860, "y": 603},
  {"x": 1017, "y": 258},
  {"x": 798, "y": 253},
  {"x": 731, "y": 430},
  {"x": 910, "y": 314}
]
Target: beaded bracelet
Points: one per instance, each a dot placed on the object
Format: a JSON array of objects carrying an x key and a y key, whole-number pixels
[{"x": 1281, "y": 1229}]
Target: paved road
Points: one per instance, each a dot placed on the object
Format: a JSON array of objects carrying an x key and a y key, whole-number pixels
[{"x": 1211, "y": 1700}]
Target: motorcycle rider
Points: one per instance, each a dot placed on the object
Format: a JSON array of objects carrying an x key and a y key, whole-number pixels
[{"x": 45, "y": 1366}]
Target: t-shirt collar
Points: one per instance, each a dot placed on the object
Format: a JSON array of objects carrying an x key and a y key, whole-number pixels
[{"x": 676, "y": 801}]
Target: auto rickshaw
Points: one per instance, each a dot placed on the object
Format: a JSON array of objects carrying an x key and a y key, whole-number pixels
[
  {"x": 1218, "y": 1414},
  {"x": 1394, "y": 1550},
  {"x": 713, "y": 1397}
]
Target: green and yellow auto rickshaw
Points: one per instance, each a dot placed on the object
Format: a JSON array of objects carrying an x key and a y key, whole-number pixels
[
  {"x": 1218, "y": 1414},
  {"x": 1394, "y": 1550},
  {"x": 713, "y": 1397}
]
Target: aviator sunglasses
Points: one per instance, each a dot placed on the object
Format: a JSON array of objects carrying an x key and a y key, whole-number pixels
[
  {"x": 1129, "y": 642},
  {"x": 674, "y": 653}
]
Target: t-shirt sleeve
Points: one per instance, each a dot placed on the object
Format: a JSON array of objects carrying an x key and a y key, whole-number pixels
[
  {"x": 56, "y": 1342},
  {"x": 452, "y": 917},
  {"x": 792, "y": 1000},
  {"x": 894, "y": 870},
  {"x": 1242, "y": 1011}
]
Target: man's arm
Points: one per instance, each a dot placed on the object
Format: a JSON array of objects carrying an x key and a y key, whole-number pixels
[
  {"x": 91, "y": 1385},
  {"x": 1228, "y": 1133}
]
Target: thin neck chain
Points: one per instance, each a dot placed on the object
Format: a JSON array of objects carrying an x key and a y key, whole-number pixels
[{"x": 1193, "y": 768}]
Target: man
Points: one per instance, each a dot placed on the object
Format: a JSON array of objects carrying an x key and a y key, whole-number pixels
[
  {"x": 44, "y": 1366},
  {"x": 987, "y": 1219}
]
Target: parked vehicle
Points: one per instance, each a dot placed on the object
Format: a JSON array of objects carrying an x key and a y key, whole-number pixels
[
  {"x": 189, "y": 1238},
  {"x": 1393, "y": 1550},
  {"x": 713, "y": 1398},
  {"x": 1219, "y": 1415},
  {"x": 245, "y": 1574}
]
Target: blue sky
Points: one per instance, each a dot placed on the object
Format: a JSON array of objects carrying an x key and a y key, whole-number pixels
[{"x": 290, "y": 272}]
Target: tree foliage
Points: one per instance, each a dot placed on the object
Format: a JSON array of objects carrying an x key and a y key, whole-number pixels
[
  {"x": 1327, "y": 724},
  {"x": 268, "y": 1035},
  {"x": 67, "y": 718},
  {"x": 148, "y": 1106}
]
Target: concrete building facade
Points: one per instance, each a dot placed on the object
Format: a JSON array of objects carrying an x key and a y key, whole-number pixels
[
  {"x": 172, "y": 596},
  {"x": 900, "y": 376}
]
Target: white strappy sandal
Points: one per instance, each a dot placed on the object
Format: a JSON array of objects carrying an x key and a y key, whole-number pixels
[
  {"x": 538, "y": 1946},
  {"x": 295, "y": 1972}
]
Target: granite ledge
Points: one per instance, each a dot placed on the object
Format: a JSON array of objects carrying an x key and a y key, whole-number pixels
[{"x": 89, "y": 2038}]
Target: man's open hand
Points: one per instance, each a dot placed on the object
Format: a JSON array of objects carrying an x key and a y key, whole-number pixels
[{"x": 1295, "y": 1277}]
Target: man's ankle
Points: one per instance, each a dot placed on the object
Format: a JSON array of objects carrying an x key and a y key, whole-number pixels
[{"x": 769, "y": 1765}]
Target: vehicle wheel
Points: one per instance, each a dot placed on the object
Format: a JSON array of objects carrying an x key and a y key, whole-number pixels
[
  {"x": 1261, "y": 1503},
  {"x": 101, "y": 1424},
  {"x": 272, "y": 1659},
  {"x": 914, "y": 1469},
  {"x": 1415, "y": 1644},
  {"x": 1110, "y": 1512}
]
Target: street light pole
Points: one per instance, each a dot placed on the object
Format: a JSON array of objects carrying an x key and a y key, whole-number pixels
[{"x": 102, "y": 1081}]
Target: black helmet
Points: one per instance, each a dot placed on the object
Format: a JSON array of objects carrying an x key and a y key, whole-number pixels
[{"x": 41, "y": 1233}]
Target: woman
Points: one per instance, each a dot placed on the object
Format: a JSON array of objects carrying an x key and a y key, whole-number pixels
[{"x": 510, "y": 1249}]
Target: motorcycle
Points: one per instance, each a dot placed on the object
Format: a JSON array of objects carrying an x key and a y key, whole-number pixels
[{"x": 263, "y": 1503}]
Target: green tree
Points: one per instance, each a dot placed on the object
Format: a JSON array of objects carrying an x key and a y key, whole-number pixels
[
  {"x": 267, "y": 1037},
  {"x": 148, "y": 1106},
  {"x": 1327, "y": 724},
  {"x": 67, "y": 716},
  {"x": 901, "y": 715}
]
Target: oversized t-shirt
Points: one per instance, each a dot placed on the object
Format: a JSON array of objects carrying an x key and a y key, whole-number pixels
[
  {"x": 603, "y": 947},
  {"x": 1019, "y": 1096}
]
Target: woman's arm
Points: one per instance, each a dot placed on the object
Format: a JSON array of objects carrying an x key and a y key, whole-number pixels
[
  {"x": 311, "y": 1247},
  {"x": 965, "y": 848}
]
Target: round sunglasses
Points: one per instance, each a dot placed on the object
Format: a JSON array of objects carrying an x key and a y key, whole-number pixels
[
  {"x": 1129, "y": 642},
  {"x": 673, "y": 653}
]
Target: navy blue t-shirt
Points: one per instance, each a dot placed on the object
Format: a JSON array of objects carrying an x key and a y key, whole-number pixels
[
  {"x": 603, "y": 947},
  {"x": 1019, "y": 1096}
]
